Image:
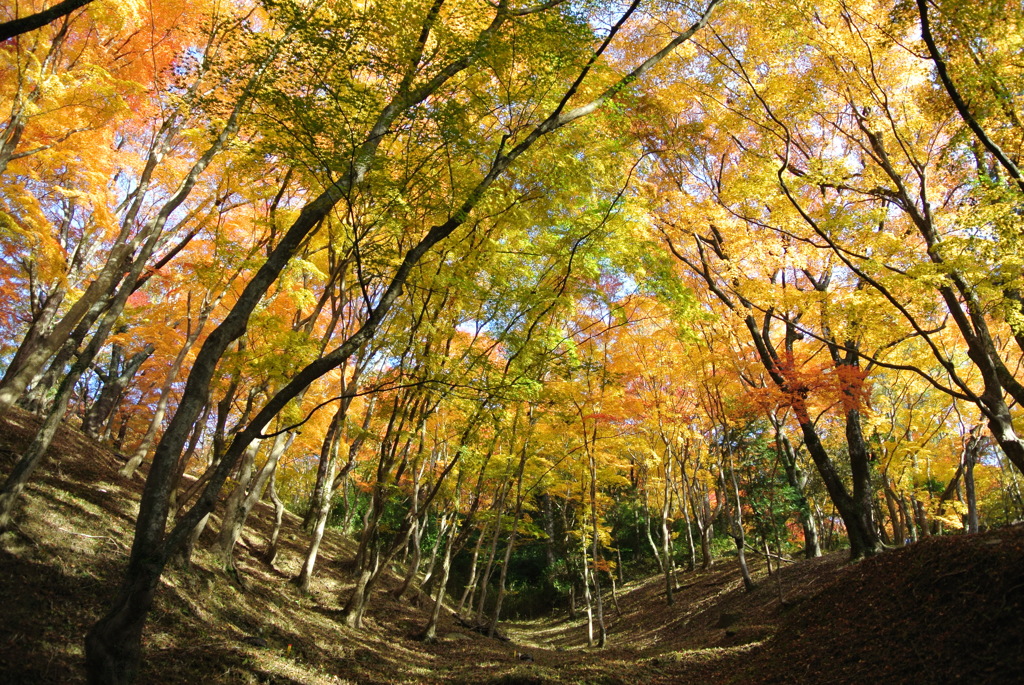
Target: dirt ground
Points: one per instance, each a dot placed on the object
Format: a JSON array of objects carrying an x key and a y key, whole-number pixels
[{"x": 944, "y": 610}]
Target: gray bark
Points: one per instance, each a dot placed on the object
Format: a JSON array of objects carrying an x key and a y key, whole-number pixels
[
  {"x": 430, "y": 631},
  {"x": 473, "y": 567},
  {"x": 115, "y": 381},
  {"x": 270, "y": 554},
  {"x": 739, "y": 535},
  {"x": 970, "y": 458},
  {"x": 666, "y": 532},
  {"x": 234, "y": 519}
]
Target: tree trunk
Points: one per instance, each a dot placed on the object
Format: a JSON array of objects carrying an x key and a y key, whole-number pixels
[
  {"x": 114, "y": 383},
  {"x": 443, "y": 530},
  {"x": 38, "y": 396},
  {"x": 321, "y": 501},
  {"x": 485, "y": 577},
  {"x": 185, "y": 554},
  {"x": 879, "y": 517},
  {"x": 602, "y": 630},
  {"x": 923, "y": 524},
  {"x": 864, "y": 541},
  {"x": 586, "y": 594},
  {"x": 270, "y": 555},
  {"x": 473, "y": 566},
  {"x": 369, "y": 560},
  {"x": 909, "y": 521},
  {"x": 615, "y": 596},
  {"x": 860, "y": 528},
  {"x": 413, "y": 565},
  {"x": 357, "y": 601},
  {"x": 122, "y": 430},
  {"x": 650, "y": 540},
  {"x": 113, "y": 647},
  {"x": 549, "y": 530},
  {"x": 186, "y": 457},
  {"x": 898, "y": 533},
  {"x": 26, "y": 466},
  {"x": 798, "y": 481},
  {"x": 666, "y": 532},
  {"x": 234, "y": 501},
  {"x": 739, "y": 535},
  {"x": 37, "y": 20},
  {"x": 691, "y": 557},
  {"x": 971, "y": 448},
  {"x": 492, "y": 625},
  {"x": 118, "y": 275},
  {"x": 430, "y": 631},
  {"x": 510, "y": 545},
  {"x": 128, "y": 470},
  {"x": 706, "y": 528},
  {"x": 322, "y": 488},
  {"x": 37, "y": 331},
  {"x": 232, "y": 525}
]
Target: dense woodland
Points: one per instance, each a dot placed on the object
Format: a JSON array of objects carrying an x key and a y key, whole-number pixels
[{"x": 532, "y": 297}]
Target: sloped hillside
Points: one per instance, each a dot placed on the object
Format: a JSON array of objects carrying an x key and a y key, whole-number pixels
[
  {"x": 944, "y": 610},
  {"x": 947, "y": 609}
]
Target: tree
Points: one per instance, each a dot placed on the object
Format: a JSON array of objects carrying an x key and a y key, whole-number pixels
[
  {"x": 16, "y": 27},
  {"x": 113, "y": 643}
]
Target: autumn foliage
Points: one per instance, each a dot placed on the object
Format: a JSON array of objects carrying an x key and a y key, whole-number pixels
[{"x": 550, "y": 293}]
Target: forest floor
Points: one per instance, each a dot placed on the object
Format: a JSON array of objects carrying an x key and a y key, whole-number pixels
[{"x": 944, "y": 610}]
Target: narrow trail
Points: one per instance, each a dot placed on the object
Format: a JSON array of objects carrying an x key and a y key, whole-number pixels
[{"x": 945, "y": 607}]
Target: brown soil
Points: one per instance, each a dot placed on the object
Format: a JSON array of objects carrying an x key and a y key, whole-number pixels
[{"x": 944, "y": 610}]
